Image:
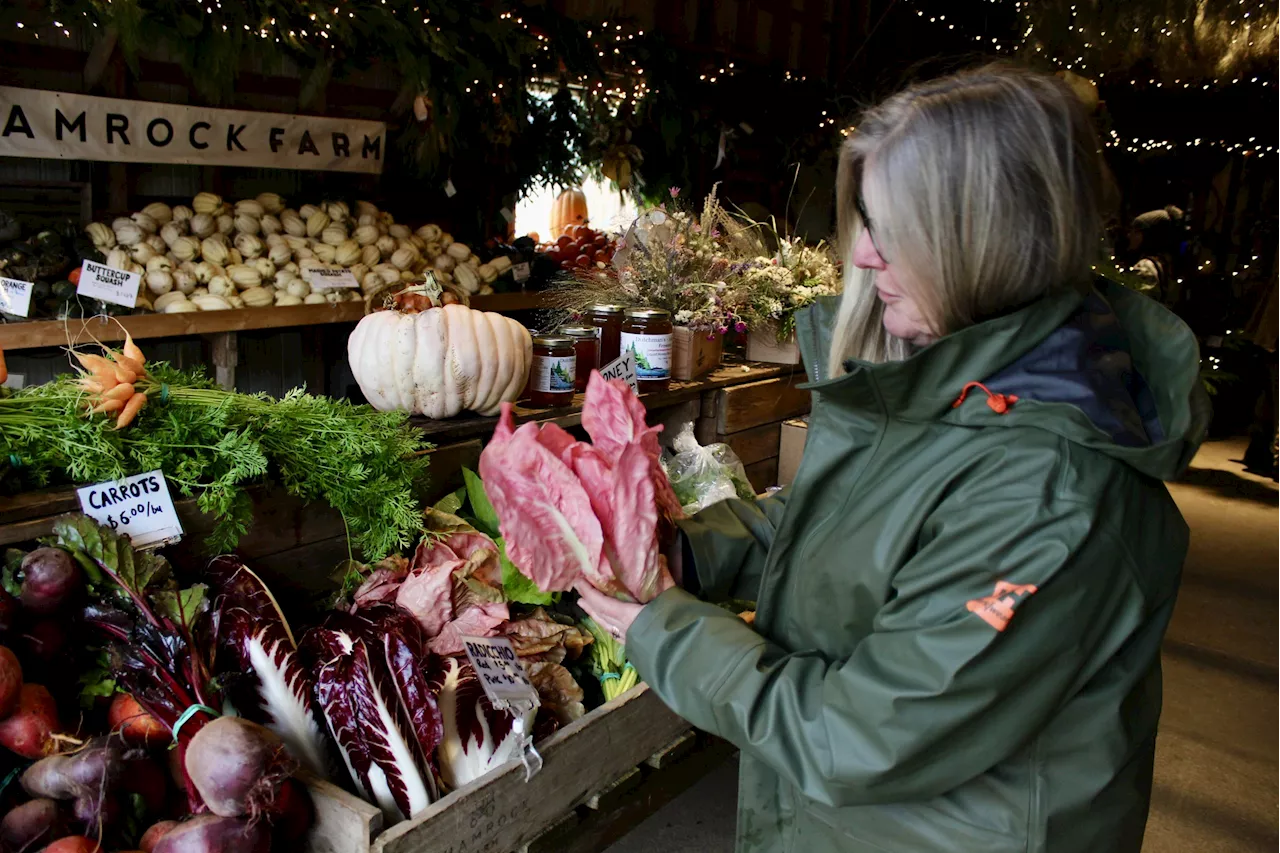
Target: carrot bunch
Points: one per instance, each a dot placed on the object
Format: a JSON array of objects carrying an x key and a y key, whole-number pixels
[{"x": 110, "y": 382}]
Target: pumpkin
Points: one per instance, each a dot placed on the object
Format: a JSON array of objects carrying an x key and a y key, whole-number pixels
[
  {"x": 441, "y": 361},
  {"x": 570, "y": 208}
]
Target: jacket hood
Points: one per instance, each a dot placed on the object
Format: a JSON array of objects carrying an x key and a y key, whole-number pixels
[{"x": 1110, "y": 370}]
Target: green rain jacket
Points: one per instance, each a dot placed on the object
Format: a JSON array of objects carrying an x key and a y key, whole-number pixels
[{"x": 960, "y": 609}]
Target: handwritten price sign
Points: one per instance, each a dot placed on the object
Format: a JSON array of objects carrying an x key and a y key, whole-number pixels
[
  {"x": 501, "y": 671},
  {"x": 623, "y": 367},
  {"x": 118, "y": 287},
  {"x": 139, "y": 506}
]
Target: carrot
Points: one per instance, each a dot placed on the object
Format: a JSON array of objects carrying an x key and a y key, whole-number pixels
[
  {"x": 4, "y": 370},
  {"x": 121, "y": 392},
  {"x": 109, "y": 406},
  {"x": 131, "y": 409},
  {"x": 132, "y": 351},
  {"x": 132, "y": 364},
  {"x": 124, "y": 374},
  {"x": 95, "y": 364}
]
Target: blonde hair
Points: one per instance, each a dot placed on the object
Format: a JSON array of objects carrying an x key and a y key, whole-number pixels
[{"x": 985, "y": 191}]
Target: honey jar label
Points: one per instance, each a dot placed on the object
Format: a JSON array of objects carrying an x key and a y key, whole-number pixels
[
  {"x": 554, "y": 374},
  {"x": 653, "y": 354}
]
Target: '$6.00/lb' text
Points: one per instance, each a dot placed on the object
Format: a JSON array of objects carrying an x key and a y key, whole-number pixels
[{"x": 144, "y": 510}]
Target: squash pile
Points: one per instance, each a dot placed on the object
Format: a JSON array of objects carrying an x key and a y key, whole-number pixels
[
  {"x": 214, "y": 255},
  {"x": 440, "y": 361}
]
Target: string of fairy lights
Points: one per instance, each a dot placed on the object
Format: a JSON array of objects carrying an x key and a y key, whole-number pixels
[{"x": 1250, "y": 16}]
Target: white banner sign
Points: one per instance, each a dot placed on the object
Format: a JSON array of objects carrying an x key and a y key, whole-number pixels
[
  {"x": 60, "y": 125},
  {"x": 139, "y": 506},
  {"x": 100, "y": 281},
  {"x": 15, "y": 297},
  {"x": 323, "y": 278}
]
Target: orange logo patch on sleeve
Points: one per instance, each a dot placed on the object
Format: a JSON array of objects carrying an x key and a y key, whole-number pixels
[{"x": 997, "y": 609}]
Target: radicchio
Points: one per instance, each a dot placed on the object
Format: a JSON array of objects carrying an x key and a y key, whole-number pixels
[
  {"x": 257, "y": 660},
  {"x": 477, "y": 736},
  {"x": 378, "y": 705},
  {"x": 573, "y": 512},
  {"x": 454, "y": 586}
]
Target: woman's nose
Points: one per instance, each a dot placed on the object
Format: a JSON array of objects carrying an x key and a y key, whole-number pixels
[{"x": 865, "y": 255}]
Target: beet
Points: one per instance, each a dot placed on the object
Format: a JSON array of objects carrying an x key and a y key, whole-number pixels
[
  {"x": 134, "y": 724},
  {"x": 237, "y": 767},
  {"x": 293, "y": 815},
  {"x": 29, "y": 730},
  {"x": 97, "y": 814},
  {"x": 10, "y": 681},
  {"x": 44, "y": 640},
  {"x": 73, "y": 844},
  {"x": 213, "y": 834},
  {"x": 50, "y": 578},
  {"x": 75, "y": 776},
  {"x": 31, "y": 825}
]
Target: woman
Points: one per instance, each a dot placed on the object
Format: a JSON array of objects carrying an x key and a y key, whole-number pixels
[{"x": 961, "y": 598}]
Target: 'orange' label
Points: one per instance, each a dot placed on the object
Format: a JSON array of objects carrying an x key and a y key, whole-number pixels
[{"x": 997, "y": 609}]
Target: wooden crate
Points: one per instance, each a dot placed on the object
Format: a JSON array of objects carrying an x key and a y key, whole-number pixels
[
  {"x": 749, "y": 419},
  {"x": 763, "y": 345},
  {"x": 692, "y": 355}
]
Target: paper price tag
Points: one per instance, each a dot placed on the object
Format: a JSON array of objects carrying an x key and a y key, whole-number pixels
[
  {"x": 521, "y": 271},
  {"x": 501, "y": 671},
  {"x": 623, "y": 367},
  {"x": 15, "y": 297},
  {"x": 449, "y": 189},
  {"x": 322, "y": 279},
  {"x": 118, "y": 287},
  {"x": 138, "y": 506}
]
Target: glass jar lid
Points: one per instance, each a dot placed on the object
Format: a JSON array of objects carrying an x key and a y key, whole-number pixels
[
  {"x": 552, "y": 341},
  {"x": 578, "y": 331},
  {"x": 604, "y": 308},
  {"x": 648, "y": 314}
]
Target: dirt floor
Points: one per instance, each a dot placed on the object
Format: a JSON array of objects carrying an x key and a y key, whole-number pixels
[{"x": 1216, "y": 782}]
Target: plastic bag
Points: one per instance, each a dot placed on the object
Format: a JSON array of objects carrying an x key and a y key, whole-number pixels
[{"x": 702, "y": 476}]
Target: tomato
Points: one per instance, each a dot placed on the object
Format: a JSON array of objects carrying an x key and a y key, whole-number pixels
[
  {"x": 600, "y": 241},
  {"x": 583, "y": 261},
  {"x": 74, "y": 278},
  {"x": 564, "y": 240}
]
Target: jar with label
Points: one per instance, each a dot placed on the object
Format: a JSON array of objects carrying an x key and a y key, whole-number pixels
[
  {"x": 587, "y": 345},
  {"x": 607, "y": 319},
  {"x": 647, "y": 333},
  {"x": 554, "y": 364}
]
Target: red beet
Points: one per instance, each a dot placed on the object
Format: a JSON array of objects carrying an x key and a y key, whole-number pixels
[
  {"x": 238, "y": 767},
  {"x": 44, "y": 640},
  {"x": 213, "y": 834},
  {"x": 134, "y": 724},
  {"x": 30, "y": 825},
  {"x": 73, "y": 844},
  {"x": 29, "y": 730},
  {"x": 144, "y": 777},
  {"x": 50, "y": 579},
  {"x": 10, "y": 681}
]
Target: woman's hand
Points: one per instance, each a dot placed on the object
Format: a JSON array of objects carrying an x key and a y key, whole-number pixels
[{"x": 610, "y": 614}]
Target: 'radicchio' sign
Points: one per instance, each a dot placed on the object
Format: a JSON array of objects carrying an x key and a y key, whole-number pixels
[{"x": 61, "y": 125}]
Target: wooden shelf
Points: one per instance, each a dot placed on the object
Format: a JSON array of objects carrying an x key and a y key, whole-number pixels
[
  {"x": 741, "y": 373},
  {"x": 51, "y": 333}
]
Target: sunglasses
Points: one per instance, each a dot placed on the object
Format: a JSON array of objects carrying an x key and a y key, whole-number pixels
[{"x": 861, "y": 207}]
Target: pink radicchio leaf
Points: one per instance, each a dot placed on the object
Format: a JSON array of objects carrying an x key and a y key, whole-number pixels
[
  {"x": 613, "y": 416},
  {"x": 362, "y": 708},
  {"x": 381, "y": 586},
  {"x": 477, "y": 737},
  {"x": 257, "y": 660},
  {"x": 480, "y": 620},
  {"x": 545, "y": 513},
  {"x": 427, "y": 593},
  {"x": 634, "y": 532}
]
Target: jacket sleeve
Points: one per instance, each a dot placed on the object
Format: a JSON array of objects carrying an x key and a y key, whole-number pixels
[
  {"x": 729, "y": 542},
  {"x": 956, "y": 676}
]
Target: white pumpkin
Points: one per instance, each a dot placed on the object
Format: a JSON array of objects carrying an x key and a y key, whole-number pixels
[{"x": 441, "y": 361}]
